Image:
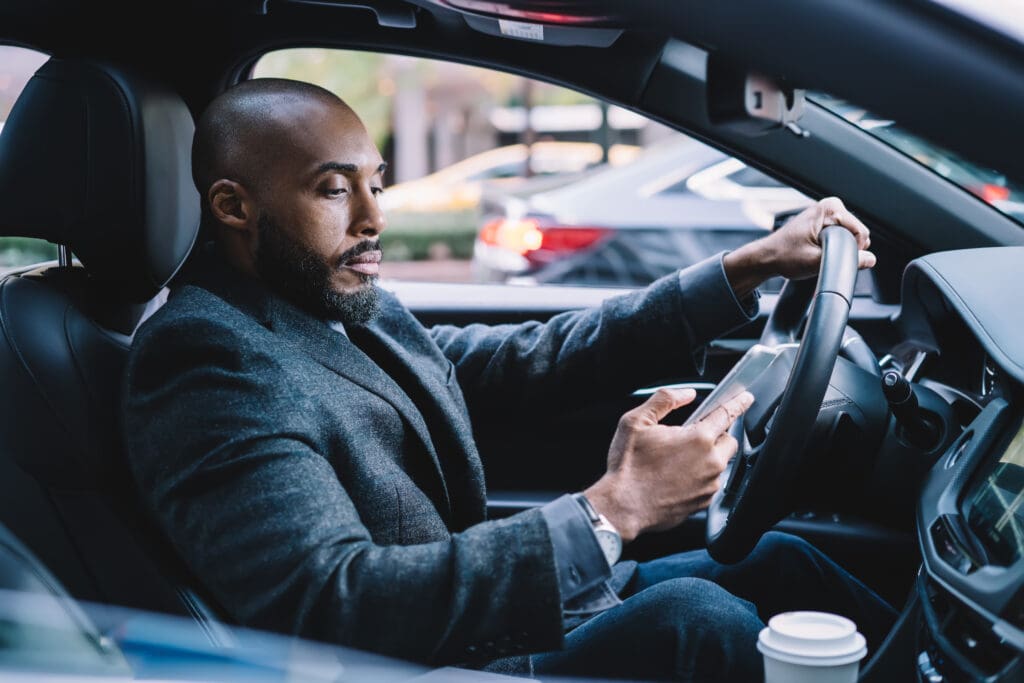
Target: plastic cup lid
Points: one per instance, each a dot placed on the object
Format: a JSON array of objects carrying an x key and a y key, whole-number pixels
[{"x": 815, "y": 638}]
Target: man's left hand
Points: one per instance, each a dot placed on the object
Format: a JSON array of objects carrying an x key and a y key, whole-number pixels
[{"x": 794, "y": 250}]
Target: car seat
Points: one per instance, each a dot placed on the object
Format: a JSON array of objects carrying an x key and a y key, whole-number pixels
[{"x": 94, "y": 158}]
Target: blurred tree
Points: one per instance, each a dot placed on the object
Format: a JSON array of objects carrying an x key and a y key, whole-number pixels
[
  {"x": 367, "y": 81},
  {"x": 356, "y": 77}
]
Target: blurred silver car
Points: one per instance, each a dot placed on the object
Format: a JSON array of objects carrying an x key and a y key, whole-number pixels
[{"x": 678, "y": 203}]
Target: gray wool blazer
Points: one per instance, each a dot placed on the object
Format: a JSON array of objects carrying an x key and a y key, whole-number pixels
[{"x": 315, "y": 491}]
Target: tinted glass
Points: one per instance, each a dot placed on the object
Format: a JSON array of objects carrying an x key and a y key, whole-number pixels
[{"x": 990, "y": 185}]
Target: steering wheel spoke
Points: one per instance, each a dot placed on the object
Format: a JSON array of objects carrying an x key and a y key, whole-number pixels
[{"x": 744, "y": 508}]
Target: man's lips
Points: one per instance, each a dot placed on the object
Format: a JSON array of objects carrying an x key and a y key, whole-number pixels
[{"x": 367, "y": 263}]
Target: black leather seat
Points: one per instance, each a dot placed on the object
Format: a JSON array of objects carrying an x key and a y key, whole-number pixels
[{"x": 95, "y": 158}]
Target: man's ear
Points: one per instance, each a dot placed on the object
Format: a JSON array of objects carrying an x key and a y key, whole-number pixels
[{"x": 233, "y": 206}]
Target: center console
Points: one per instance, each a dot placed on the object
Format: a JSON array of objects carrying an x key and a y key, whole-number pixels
[{"x": 970, "y": 523}]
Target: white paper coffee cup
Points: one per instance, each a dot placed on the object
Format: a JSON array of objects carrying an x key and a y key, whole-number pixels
[{"x": 811, "y": 647}]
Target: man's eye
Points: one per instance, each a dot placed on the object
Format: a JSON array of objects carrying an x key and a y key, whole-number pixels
[
  {"x": 335, "y": 191},
  {"x": 377, "y": 190}
]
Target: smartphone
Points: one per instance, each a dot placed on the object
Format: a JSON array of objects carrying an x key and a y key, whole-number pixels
[{"x": 743, "y": 374}]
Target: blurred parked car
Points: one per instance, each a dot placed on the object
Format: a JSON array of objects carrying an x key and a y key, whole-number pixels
[
  {"x": 678, "y": 203},
  {"x": 459, "y": 187}
]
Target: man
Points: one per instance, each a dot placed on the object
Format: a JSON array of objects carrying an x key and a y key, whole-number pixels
[{"x": 307, "y": 445}]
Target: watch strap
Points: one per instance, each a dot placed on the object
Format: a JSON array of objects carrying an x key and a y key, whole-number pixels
[{"x": 592, "y": 514}]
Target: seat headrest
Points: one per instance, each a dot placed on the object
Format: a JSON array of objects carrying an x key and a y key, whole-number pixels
[{"x": 97, "y": 158}]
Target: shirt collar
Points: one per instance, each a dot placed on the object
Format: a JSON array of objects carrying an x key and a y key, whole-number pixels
[{"x": 338, "y": 326}]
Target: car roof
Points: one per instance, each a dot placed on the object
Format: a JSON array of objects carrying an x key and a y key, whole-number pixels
[{"x": 911, "y": 61}]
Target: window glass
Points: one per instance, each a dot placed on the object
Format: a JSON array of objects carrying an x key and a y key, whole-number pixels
[
  {"x": 988, "y": 184},
  {"x": 751, "y": 177},
  {"x": 17, "y": 64},
  {"x": 498, "y": 178}
]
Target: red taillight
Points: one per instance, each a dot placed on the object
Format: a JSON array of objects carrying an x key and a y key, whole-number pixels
[
  {"x": 520, "y": 236},
  {"x": 538, "y": 243},
  {"x": 991, "y": 193},
  {"x": 559, "y": 239}
]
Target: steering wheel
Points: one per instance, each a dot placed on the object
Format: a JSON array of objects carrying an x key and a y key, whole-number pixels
[{"x": 772, "y": 450}]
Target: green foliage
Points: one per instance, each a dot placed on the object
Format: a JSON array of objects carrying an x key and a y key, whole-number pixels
[
  {"x": 359, "y": 78},
  {"x": 368, "y": 81},
  {"x": 22, "y": 251},
  {"x": 420, "y": 236}
]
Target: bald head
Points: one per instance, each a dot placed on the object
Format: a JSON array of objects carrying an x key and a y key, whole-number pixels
[
  {"x": 249, "y": 126},
  {"x": 289, "y": 180}
]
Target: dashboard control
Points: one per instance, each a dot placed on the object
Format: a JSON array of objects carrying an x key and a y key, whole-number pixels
[
  {"x": 950, "y": 549},
  {"x": 955, "y": 453},
  {"x": 917, "y": 429},
  {"x": 971, "y": 528},
  {"x": 990, "y": 378}
]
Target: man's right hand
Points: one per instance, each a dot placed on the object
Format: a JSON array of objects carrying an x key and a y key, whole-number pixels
[{"x": 660, "y": 474}]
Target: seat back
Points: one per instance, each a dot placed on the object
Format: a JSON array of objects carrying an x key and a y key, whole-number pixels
[{"x": 94, "y": 158}]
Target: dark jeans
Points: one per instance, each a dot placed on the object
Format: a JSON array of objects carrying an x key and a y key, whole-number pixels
[{"x": 686, "y": 617}]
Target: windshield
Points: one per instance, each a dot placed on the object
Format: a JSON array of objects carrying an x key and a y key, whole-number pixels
[
  {"x": 1003, "y": 16},
  {"x": 988, "y": 184}
]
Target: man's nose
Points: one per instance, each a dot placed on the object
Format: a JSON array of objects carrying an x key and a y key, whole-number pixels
[{"x": 368, "y": 219}]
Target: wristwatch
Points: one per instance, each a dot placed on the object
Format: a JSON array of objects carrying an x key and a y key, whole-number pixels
[{"x": 607, "y": 536}]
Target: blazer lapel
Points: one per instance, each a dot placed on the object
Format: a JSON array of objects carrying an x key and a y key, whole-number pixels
[
  {"x": 398, "y": 341},
  {"x": 336, "y": 352},
  {"x": 331, "y": 349}
]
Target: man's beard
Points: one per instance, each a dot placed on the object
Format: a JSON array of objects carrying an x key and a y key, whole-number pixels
[{"x": 304, "y": 278}]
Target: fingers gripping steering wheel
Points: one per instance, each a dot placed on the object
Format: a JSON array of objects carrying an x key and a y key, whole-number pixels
[{"x": 757, "y": 481}]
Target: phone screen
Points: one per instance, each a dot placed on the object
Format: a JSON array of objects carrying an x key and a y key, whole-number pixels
[{"x": 739, "y": 379}]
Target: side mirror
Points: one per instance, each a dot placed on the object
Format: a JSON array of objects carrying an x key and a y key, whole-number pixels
[{"x": 748, "y": 102}]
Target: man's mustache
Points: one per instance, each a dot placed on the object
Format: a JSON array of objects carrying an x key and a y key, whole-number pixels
[{"x": 358, "y": 249}]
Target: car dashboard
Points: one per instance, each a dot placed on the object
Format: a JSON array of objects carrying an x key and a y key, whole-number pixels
[{"x": 965, "y": 342}]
